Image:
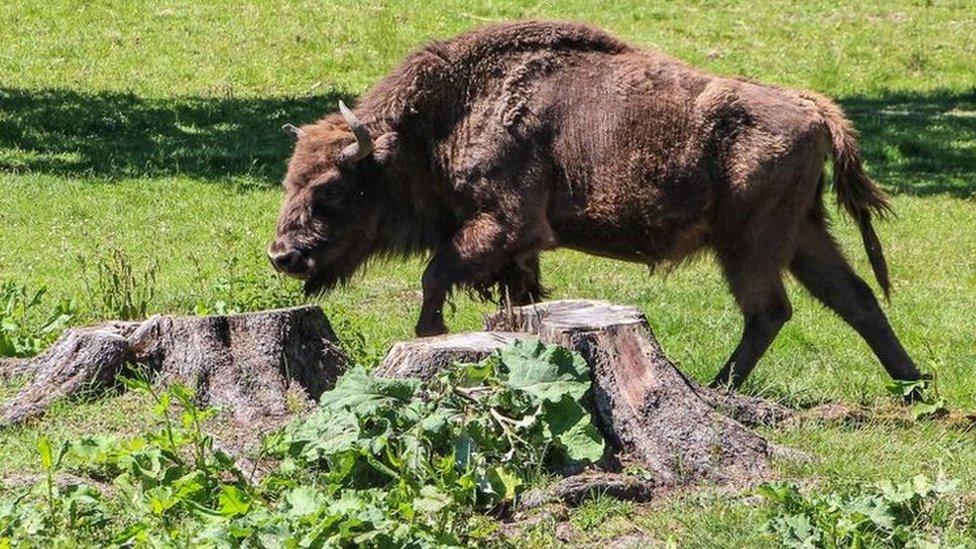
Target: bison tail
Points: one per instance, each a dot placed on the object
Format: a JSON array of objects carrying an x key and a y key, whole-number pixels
[{"x": 860, "y": 196}]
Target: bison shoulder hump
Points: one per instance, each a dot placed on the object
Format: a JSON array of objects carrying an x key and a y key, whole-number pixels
[{"x": 505, "y": 38}]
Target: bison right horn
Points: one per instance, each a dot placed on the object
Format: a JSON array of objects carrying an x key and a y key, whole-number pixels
[{"x": 363, "y": 146}]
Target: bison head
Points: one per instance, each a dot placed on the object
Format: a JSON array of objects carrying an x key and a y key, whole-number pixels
[{"x": 331, "y": 213}]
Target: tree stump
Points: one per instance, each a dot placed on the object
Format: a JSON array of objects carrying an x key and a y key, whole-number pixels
[
  {"x": 644, "y": 406},
  {"x": 258, "y": 368},
  {"x": 647, "y": 410},
  {"x": 12, "y": 368},
  {"x": 424, "y": 358}
]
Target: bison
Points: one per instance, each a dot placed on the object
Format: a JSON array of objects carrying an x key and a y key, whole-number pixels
[{"x": 488, "y": 148}]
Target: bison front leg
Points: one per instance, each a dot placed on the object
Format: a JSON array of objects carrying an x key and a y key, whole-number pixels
[
  {"x": 439, "y": 276},
  {"x": 472, "y": 256},
  {"x": 485, "y": 252}
]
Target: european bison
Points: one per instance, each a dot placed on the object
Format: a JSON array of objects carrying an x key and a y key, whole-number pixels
[{"x": 488, "y": 148}]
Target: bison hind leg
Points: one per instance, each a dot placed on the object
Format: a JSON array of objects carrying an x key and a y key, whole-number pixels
[
  {"x": 821, "y": 267},
  {"x": 765, "y": 307}
]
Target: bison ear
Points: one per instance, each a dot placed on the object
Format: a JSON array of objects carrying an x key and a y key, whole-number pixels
[
  {"x": 294, "y": 132},
  {"x": 385, "y": 147}
]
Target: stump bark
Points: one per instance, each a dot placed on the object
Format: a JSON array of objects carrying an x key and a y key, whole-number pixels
[
  {"x": 647, "y": 410},
  {"x": 255, "y": 367},
  {"x": 642, "y": 403}
]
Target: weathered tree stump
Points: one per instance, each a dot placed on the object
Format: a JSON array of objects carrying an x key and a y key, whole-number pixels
[
  {"x": 644, "y": 406},
  {"x": 424, "y": 358},
  {"x": 12, "y": 368},
  {"x": 253, "y": 367},
  {"x": 747, "y": 410},
  {"x": 647, "y": 410}
]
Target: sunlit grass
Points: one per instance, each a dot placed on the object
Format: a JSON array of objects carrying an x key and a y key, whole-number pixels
[{"x": 153, "y": 127}]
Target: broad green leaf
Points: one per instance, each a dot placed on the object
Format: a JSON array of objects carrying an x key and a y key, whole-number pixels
[
  {"x": 546, "y": 372},
  {"x": 874, "y": 509},
  {"x": 904, "y": 388},
  {"x": 431, "y": 500},
  {"x": 504, "y": 483},
  {"x": 233, "y": 501},
  {"x": 926, "y": 410},
  {"x": 464, "y": 448},
  {"x": 303, "y": 501},
  {"x": 94, "y": 448},
  {"x": 323, "y": 435},
  {"x": 476, "y": 374},
  {"x": 160, "y": 499},
  {"x": 785, "y": 493},
  {"x": 944, "y": 485},
  {"x": 802, "y": 532},
  {"x": 363, "y": 394},
  {"x": 569, "y": 425},
  {"x": 189, "y": 484}
]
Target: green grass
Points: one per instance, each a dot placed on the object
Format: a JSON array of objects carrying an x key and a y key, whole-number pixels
[{"x": 152, "y": 127}]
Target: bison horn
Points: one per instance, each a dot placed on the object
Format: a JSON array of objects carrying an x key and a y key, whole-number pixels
[
  {"x": 363, "y": 146},
  {"x": 294, "y": 132}
]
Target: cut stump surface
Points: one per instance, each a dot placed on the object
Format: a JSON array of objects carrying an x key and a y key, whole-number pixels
[{"x": 424, "y": 358}]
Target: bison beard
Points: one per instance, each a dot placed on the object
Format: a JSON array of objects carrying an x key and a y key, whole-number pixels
[
  {"x": 326, "y": 276},
  {"x": 324, "y": 279},
  {"x": 487, "y": 149}
]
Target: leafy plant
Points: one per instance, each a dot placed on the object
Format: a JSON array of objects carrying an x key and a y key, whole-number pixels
[
  {"x": 887, "y": 515},
  {"x": 524, "y": 400},
  {"x": 160, "y": 480},
  {"x": 926, "y": 401},
  {"x": 381, "y": 462},
  {"x": 467, "y": 440},
  {"x": 24, "y": 331},
  {"x": 115, "y": 289}
]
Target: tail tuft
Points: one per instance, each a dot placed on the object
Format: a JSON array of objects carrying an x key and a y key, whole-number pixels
[
  {"x": 859, "y": 195},
  {"x": 875, "y": 254}
]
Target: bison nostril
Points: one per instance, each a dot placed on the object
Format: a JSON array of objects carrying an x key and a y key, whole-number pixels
[{"x": 288, "y": 262}]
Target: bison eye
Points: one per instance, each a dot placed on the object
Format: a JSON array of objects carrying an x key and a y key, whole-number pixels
[{"x": 330, "y": 192}]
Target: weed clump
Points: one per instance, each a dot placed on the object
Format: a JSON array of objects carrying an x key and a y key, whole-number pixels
[
  {"x": 380, "y": 462},
  {"x": 907, "y": 514},
  {"x": 116, "y": 289},
  {"x": 26, "y": 326}
]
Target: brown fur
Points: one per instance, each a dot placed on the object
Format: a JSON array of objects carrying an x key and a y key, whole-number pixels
[{"x": 517, "y": 138}]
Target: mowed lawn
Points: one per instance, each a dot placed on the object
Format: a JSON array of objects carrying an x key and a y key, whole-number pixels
[{"x": 153, "y": 128}]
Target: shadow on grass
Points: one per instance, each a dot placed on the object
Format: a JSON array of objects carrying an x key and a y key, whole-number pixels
[
  {"x": 116, "y": 135},
  {"x": 920, "y": 144}
]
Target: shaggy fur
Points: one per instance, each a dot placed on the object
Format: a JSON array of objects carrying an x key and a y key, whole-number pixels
[{"x": 522, "y": 137}]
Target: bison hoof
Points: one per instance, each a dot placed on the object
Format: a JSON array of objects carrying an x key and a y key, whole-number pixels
[
  {"x": 918, "y": 393},
  {"x": 431, "y": 330}
]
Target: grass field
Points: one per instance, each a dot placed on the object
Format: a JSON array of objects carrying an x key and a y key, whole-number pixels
[{"x": 152, "y": 128}]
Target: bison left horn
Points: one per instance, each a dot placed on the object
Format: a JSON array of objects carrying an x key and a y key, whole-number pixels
[
  {"x": 363, "y": 146},
  {"x": 294, "y": 132}
]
